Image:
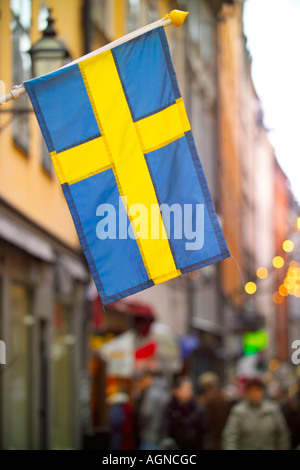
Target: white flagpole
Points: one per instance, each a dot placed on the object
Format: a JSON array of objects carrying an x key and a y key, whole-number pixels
[{"x": 175, "y": 17}]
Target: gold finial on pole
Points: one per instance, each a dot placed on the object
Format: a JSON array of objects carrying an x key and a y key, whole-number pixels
[{"x": 177, "y": 17}]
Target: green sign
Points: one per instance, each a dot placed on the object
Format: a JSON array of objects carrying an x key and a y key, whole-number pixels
[{"x": 254, "y": 341}]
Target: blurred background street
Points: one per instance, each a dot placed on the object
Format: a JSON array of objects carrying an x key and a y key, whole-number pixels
[{"x": 182, "y": 354}]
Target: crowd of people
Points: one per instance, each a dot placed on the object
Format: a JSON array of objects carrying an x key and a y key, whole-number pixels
[{"x": 179, "y": 417}]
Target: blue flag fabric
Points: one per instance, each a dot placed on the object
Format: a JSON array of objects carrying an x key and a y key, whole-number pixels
[{"x": 117, "y": 131}]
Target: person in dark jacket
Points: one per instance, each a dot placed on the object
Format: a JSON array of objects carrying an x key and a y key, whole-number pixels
[
  {"x": 184, "y": 421},
  {"x": 291, "y": 411},
  {"x": 216, "y": 405}
]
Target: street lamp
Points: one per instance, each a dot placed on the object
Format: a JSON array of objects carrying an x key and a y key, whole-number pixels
[{"x": 49, "y": 53}]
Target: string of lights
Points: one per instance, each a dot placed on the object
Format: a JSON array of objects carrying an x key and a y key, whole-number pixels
[{"x": 291, "y": 281}]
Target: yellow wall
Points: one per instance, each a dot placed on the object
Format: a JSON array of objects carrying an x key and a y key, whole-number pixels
[
  {"x": 119, "y": 18},
  {"x": 163, "y": 8},
  {"x": 23, "y": 182}
]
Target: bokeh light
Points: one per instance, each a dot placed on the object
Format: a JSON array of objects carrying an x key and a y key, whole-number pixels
[
  {"x": 293, "y": 389},
  {"x": 288, "y": 246},
  {"x": 194, "y": 275},
  {"x": 250, "y": 288},
  {"x": 278, "y": 262},
  {"x": 274, "y": 364},
  {"x": 291, "y": 282},
  {"x": 283, "y": 290},
  {"x": 262, "y": 273},
  {"x": 277, "y": 298}
]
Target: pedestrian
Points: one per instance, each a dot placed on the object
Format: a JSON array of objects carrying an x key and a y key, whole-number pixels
[
  {"x": 184, "y": 422},
  {"x": 216, "y": 405},
  {"x": 256, "y": 423},
  {"x": 150, "y": 409},
  {"x": 120, "y": 421},
  {"x": 291, "y": 411}
]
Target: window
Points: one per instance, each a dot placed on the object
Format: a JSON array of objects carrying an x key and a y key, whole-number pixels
[
  {"x": 20, "y": 30},
  {"x": 206, "y": 40},
  {"x": 101, "y": 16},
  {"x": 194, "y": 21},
  {"x": 20, "y": 376},
  {"x": 133, "y": 9},
  {"x": 207, "y": 25},
  {"x": 152, "y": 10},
  {"x": 42, "y": 18},
  {"x": 62, "y": 383},
  {"x": 200, "y": 26}
]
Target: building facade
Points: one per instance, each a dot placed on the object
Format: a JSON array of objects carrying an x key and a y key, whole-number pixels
[
  {"x": 44, "y": 311},
  {"x": 42, "y": 271},
  {"x": 282, "y": 199},
  {"x": 264, "y": 234},
  {"x": 231, "y": 79}
]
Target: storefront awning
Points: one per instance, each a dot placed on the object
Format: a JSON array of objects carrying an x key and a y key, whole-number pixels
[
  {"x": 74, "y": 267},
  {"x": 21, "y": 237}
]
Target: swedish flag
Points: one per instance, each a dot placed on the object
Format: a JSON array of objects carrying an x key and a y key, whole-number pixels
[{"x": 117, "y": 130}]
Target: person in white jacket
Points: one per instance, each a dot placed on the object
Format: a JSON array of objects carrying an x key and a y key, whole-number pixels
[{"x": 256, "y": 423}]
